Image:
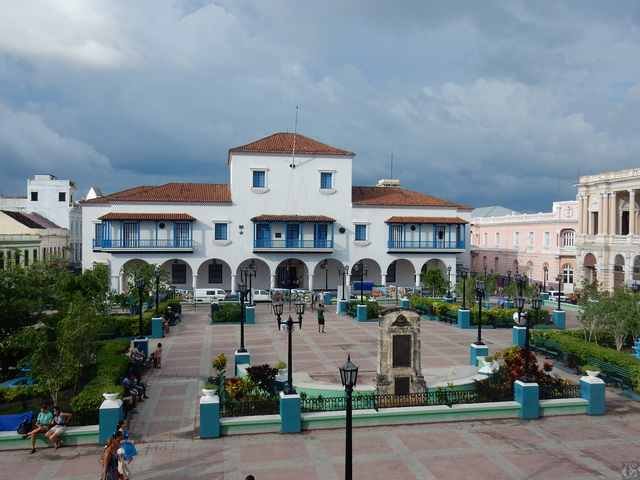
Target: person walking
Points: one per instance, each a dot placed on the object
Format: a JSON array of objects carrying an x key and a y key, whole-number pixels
[
  {"x": 321, "y": 318},
  {"x": 109, "y": 458}
]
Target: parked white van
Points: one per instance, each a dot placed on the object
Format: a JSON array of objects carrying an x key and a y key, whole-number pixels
[{"x": 208, "y": 295}]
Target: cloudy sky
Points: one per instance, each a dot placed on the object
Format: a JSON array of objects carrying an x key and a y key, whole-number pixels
[{"x": 483, "y": 102}]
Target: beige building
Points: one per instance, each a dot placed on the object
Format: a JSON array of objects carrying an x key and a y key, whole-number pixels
[
  {"x": 608, "y": 240},
  {"x": 26, "y": 238}
]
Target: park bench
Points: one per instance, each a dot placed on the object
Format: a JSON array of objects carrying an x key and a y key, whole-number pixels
[
  {"x": 85, "y": 435},
  {"x": 614, "y": 374}
]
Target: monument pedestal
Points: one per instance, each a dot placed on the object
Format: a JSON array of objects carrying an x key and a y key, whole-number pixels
[
  {"x": 464, "y": 318},
  {"x": 559, "y": 318},
  {"x": 518, "y": 336}
]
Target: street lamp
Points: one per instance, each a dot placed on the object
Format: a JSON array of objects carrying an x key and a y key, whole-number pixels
[
  {"x": 243, "y": 290},
  {"x": 536, "y": 303},
  {"x": 362, "y": 267},
  {"x": 140, "y": 284},
  {"x": 545, "y": 276},
  {"x": 349, "y": 377},
  {"x": 157, "y": 275},
  {"x": 463, "y": 274},
  {"x": 246, "y": 276},
  {"x": 559, "y": 281},
  {"x": 344, "y": 271},
  {"x": 449, "y": 281},
  {"x": 479, "y": 297},
  {"x": 277, "y": 311},
  {"x": 324, "y": 267}
]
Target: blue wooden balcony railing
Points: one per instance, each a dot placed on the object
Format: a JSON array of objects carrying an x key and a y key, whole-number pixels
[
  {"x": 425, "y": 244},
  {"x": 291, "y": 243},
  {"x": 142, "y": 243}
]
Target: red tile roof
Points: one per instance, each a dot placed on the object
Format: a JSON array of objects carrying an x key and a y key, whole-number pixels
[
  {"x": 398, "y": 197},
  {"x": 283, "y": 143},
  {"x": 170, "y": 193},
  {"x": 439, "y": 220},
  {"x": 147, "y": 216},
  {"x": 293, "y": 218},
  {"x": 23, "y": 218}
]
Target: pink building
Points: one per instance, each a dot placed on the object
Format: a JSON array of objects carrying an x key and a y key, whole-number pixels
[{"x": 538, "y": 245}]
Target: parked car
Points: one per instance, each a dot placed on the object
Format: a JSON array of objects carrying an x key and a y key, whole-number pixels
[
  {"x": 207, "y": 295},
  {"x": 553, "y": 295},
  {"x": 260, "y": 295},
  {"x": 18, "y": 382}
]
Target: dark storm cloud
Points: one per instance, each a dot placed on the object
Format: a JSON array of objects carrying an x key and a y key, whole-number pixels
[{"x": 482, "y": 102}]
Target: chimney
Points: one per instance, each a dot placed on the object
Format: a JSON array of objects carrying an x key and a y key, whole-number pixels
[{"x": 388, "y": 182}]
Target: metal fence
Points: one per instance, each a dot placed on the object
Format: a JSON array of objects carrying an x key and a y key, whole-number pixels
[
  {"x": 566, "y": 390},
  {"x": 376, "y": 401},
  {"x": 246, "y": 408}
]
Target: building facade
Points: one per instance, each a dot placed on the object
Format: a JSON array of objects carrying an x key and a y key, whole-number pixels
[
  {"x": 290, "y": 210},
  {"x": 26, "y": 238},
  {"x": 539, "y": 245},
  {"x": 608, "y": 240},
  {"x": 53, "y": 199}
]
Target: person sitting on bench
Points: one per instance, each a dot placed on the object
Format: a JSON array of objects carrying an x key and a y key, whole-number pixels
[
  {"x": 43, "y": 422},
  {"x": 59, "y": 425}
]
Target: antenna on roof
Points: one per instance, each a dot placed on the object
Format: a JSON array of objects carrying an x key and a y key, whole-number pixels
[{"x": 295, "y": 134}]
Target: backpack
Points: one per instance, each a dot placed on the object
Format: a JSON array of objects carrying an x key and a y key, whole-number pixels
[{"x": 25, "y": 426}]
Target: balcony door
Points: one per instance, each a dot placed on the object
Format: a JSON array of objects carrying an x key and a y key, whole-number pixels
[
  {"x": 440, "y": 233},
  {"x": 263, "y": 235},
  {"x": 293, "y": 235},
  {"x": 396, "y": 235},
  {"x": 320, "y": 237},
  {"x": 130, "y": 234},
  {"x": 182, "y": 234}
]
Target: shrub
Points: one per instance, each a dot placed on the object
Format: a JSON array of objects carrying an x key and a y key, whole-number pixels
[
  {"x": 263, "y": 376},
  {"x": 373, "y": 309},
  {"x": 579, "y": 352},
  {"x": 111, "y": 366},
  {"x": 228, "y": 313}
]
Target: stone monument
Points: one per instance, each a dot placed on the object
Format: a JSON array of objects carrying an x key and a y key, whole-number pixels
[{"x": 399, "y": 364}]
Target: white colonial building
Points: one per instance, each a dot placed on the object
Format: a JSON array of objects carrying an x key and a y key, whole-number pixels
[
  {"x": 608, "y": 240},
  {"x": 291, "y": 210}
]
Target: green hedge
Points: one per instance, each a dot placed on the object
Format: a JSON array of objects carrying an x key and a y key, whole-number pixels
[
  {"x": 578, "y": 351},
  {"x": 111, "y": 365},
  {"x": 22, "y": 393},
  {"x": 373, "y": 309},
  {"x": 114, "y": 326},
  {"x": 228, "y": 313},
  {"x": 498, "y": 317}
]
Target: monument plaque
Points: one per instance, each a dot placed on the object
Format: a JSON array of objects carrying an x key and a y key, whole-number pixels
[{"x": 399, "y": 365}]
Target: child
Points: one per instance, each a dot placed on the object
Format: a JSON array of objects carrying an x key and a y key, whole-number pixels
[
  {"x": 157, "y": 357},
  {"x": 321, "y": 318}
]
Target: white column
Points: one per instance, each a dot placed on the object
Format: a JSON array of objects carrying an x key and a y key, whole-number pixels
[
  {"x": 632, "y": 213},
  {"x": 194, "y": 282},
  {"x": 310, "y": 281},
  {"x": 384, "y": 279},
  {"x": 417, "y": 280},
  {"x": 272, "y": 282},
  {"x": 580, "y": 213},
  {"x": 116, "y": 283},
  {"x": 605, "y": 214},
  {"x": 612, "y": 213},
  {"x": 233, "y": 283},
  {"x": 601, "y": 224}
]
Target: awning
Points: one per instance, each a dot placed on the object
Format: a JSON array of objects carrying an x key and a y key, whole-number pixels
[
  {"x": 294, "y": 218},
  {"x": 180, "y": 217},
  {"x": 429, "y": 220}
]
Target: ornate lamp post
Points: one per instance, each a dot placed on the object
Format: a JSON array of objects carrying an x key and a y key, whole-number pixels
[
  {"x": 463, "y": 275},
  {"x": 545, "y": 276},
  {"x": 349, "y": 377},
  {"x": 243, "y": 290},
  {"x": 140, "y": 284},
  {"x": 157, "y": 277},
  {"x": 449, "y": 281},
  {"x": 479, "y": 298},
  {"x": 559, "y": 281},
  {"x": 536, "y": 303},
  {"x": 277, "y": 311},
  {"x": 520, "y": 300},
  {"x": 363, "y": 271},
  {"x": 344, "y": 271}
]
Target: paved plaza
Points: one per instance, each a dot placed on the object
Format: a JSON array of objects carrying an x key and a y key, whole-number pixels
[{"x": 569, "y": 447}]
